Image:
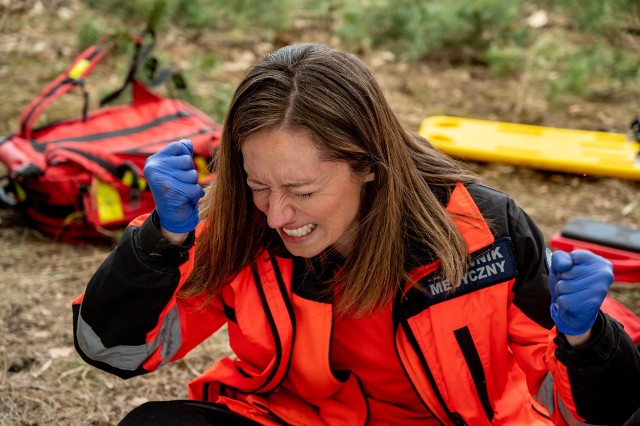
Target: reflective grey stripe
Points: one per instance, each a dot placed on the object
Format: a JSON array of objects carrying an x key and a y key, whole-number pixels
[
  {"x": 545, "y": 397},
  {"x": 129, "y": 358},
  {"x": 169, "y": 335},
  {"x": 568, "y": 415}
]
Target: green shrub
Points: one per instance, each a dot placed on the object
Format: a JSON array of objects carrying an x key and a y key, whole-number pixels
[
  {"x": 557, "y": 67},
  {"x": 415, "y": 29},
  {"x": 599, "y": 16},
  {"x": 274, "y": 15},
  {"x": 125, "y": 9},
  {"x": 218, "y": 101},
  {"x": 586, "y": 48},
  {"x": 89, "y": 31},
  {"x": 505, "y": 61},
  {"x": 603, "y": 34}
]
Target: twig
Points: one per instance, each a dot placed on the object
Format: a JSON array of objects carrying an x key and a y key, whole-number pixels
[
  {"x": 191, "y": 368},
  {"x": 70, "y": 372},
  {"x": 42, "y": 369}
]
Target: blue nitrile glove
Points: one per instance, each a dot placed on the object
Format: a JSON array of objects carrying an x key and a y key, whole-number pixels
[
  {"x": 173, "y": 181},
  {"x": 579, "y": 282}
]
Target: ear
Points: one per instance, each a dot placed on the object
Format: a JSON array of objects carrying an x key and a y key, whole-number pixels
[{"x": 369, "y": 177}]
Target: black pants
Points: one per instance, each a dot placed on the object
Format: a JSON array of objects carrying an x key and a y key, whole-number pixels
[
  {"x": 184, "y": 412},
  {"x": 634, "y": 420}
]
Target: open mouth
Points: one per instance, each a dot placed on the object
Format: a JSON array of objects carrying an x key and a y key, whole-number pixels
[{"x": 300, "y": 232}]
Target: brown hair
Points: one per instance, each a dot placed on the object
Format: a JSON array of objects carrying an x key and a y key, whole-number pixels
[{"x": 334, "y": 97}]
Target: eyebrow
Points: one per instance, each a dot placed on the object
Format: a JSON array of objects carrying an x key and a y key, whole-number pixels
[{"x": 287, "y": 185}]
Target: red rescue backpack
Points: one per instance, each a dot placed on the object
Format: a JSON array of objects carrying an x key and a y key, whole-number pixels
[{"x": 80, "y": 179}]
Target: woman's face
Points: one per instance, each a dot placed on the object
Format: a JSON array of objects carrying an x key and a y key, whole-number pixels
[{"x": 311, "y": 203}]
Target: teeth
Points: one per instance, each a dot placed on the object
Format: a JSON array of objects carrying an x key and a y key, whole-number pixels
[{"x": 299, "y": 232}]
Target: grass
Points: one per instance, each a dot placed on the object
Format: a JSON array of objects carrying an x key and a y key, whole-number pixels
[{"x": 43, "y": 381}]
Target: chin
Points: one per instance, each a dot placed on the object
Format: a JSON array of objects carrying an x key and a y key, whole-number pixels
[{"x": 303, "y": 252}]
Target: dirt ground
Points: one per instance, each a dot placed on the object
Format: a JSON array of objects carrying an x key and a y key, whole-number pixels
[{"x": 44, "y": 382}]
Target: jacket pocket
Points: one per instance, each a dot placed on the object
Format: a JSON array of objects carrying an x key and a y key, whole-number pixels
[{"x": 471, "y": 356}]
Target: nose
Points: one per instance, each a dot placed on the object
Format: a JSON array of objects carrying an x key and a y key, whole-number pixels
[{"x": 280, "y": 212}]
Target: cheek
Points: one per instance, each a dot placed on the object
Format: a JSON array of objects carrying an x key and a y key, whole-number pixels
[
  {"x": 353, "y": 205},
  {"x": 343, "y": 210},
  {"x": 261, "y": 202}
]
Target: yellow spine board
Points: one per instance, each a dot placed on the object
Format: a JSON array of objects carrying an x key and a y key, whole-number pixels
[{"x": 549, "y": 148}]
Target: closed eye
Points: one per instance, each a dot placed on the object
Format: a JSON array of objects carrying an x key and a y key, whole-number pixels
[{"x": 304, "y": 195}]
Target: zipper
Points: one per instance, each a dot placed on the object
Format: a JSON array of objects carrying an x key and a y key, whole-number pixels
[
  {"x": 106, "y": 165},
  {"x": 40, "y": 147},
  {"x": 137, "y": 149},
  {"x": 471, "y": 356},
  {"x": 116, "y": 171}
]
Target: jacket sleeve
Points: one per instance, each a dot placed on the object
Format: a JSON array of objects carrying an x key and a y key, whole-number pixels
[
  {"x": 588, "y": 384},
  {"x": 129, "y": 321}
]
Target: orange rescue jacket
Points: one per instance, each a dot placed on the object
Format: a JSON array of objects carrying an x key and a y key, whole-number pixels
[{"x": 484, "y": 352}]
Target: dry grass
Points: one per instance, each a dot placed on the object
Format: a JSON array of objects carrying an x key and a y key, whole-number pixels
[{"x": 42, "y": 379}]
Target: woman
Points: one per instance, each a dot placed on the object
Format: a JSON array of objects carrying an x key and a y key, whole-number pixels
[{"x": 365, "y": 278}]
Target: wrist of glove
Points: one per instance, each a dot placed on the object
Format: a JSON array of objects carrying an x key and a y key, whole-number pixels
[
  {"x": 173, "y": 181},
  {"x": 181, "y": 226},
  {"x": 578, "y": 282}
]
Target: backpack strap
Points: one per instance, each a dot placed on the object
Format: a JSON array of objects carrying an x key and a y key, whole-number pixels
[
  {"x": 141, "y": 55},
  {"x": 74, "y": 76},
  {"x": 143, "y": 60}
]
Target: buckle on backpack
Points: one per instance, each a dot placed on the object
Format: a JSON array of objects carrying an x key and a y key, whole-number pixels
[
  {"x": 131, "y": 178},
  {"x": 27, "y": 173}
]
